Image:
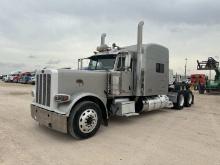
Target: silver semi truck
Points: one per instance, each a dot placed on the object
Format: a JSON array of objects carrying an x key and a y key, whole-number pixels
[{"x": 118, "y": 81}]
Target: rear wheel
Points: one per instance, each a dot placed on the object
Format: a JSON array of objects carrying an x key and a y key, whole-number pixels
[
  {"x": 180, "y": 101},
  {"x": 201, "y": 91},
  {"x": 84, "y": 120},
  {"x": 188, "y": 99}
]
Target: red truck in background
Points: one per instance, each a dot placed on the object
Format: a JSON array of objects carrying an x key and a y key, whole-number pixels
[
  {"x": 16, "y": 78},
  {"x": 198, "y": 81},
  {"x": 25, "y": 77},
  {"x": 22, "y": 77}
]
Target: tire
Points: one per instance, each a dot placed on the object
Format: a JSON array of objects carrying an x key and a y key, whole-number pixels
[
  {"x": 180, "y": 101},
  {"x": 201, "y": 91},
  {"x": 188, "y": 99},
  {"x": 84, "y": 120},
  {"x": 192, "y": 98}
]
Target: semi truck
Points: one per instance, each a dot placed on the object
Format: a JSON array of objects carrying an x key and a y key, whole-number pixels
[{"x": 118, "y": 81}]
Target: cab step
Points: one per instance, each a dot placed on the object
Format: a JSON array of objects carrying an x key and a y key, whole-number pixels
[{"x": 130, "y": 114}]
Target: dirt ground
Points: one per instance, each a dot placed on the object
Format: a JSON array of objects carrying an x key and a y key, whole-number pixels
[{"x": 166, "y": 137}]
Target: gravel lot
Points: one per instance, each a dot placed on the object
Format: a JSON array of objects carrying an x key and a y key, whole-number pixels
[{"x": 166, "y": 137}]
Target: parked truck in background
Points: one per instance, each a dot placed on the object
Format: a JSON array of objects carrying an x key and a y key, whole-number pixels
[
  {"x": 117, "y": 82},
  {"x": 32, "y": 78},
  {"x": 6, "y": 78},
  {"x": 13, "y": 75},
  {"x": 198, "y": 82},
  {"x": 25, "y": 77}
]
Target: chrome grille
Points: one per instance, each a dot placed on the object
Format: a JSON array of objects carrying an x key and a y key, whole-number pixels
[
  {"x": 43, "y": 89},
  {"x": 48, "y": 89}
]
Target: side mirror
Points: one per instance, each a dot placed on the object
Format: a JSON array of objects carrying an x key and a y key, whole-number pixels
[{"x": 128, "y": 62}]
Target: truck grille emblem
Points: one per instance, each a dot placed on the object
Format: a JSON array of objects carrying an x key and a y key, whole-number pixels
[{"x": 80, "y": 82}]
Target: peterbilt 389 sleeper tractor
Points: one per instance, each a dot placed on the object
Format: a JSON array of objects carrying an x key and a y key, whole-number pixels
[{"x": 117, "y": 82}]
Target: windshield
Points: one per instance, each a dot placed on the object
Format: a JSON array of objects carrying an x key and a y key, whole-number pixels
[{"x": 102, "y": 62}]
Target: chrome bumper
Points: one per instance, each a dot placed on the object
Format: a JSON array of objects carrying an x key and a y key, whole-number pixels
[{"x": 50, "y": 119}]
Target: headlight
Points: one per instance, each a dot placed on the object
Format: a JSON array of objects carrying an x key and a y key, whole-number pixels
[
  {"x": 62, "y": 98},
  {"x": 33, "y": 93}
]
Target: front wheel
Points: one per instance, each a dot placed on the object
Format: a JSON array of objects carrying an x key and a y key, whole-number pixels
[{"x": 84, "y": 120}]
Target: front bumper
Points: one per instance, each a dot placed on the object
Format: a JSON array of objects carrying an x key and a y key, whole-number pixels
[{"x": 50, "y": 119}]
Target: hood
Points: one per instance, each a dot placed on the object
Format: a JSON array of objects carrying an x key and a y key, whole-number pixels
[{"x": 82, "y": 81}]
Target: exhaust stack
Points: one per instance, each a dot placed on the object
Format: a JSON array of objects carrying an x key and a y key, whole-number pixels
[
  {"x": 103, "y": 46},
  {"x": 103, "y": 39},
  {"x": 139, "y": 59}
]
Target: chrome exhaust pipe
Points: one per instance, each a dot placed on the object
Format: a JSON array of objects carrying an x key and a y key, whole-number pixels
[
  {"x": 103, "y": 46},
  {"x": 139, "y": 59},
  {"x": 103, "y": 39}
]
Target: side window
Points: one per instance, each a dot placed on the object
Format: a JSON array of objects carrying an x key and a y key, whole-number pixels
[
  {"x": 99, "y": 65},
  {"x": 159, "y": 68},
  {"x": 92, "y": 65},
  {"x": 121, "y": 64}
]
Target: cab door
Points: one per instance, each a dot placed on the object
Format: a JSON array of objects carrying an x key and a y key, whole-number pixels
[{"x": 126, "y": 81}]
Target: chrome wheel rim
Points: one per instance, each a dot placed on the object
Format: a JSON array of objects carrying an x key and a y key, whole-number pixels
[
  {"x": 88, "y": 121},
  {"x": 181, "y": 97},
  {"x": 190, "y": 98}
]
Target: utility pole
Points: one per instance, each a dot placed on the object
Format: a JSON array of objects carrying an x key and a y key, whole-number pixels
[{"x": 185, "y": 67}]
